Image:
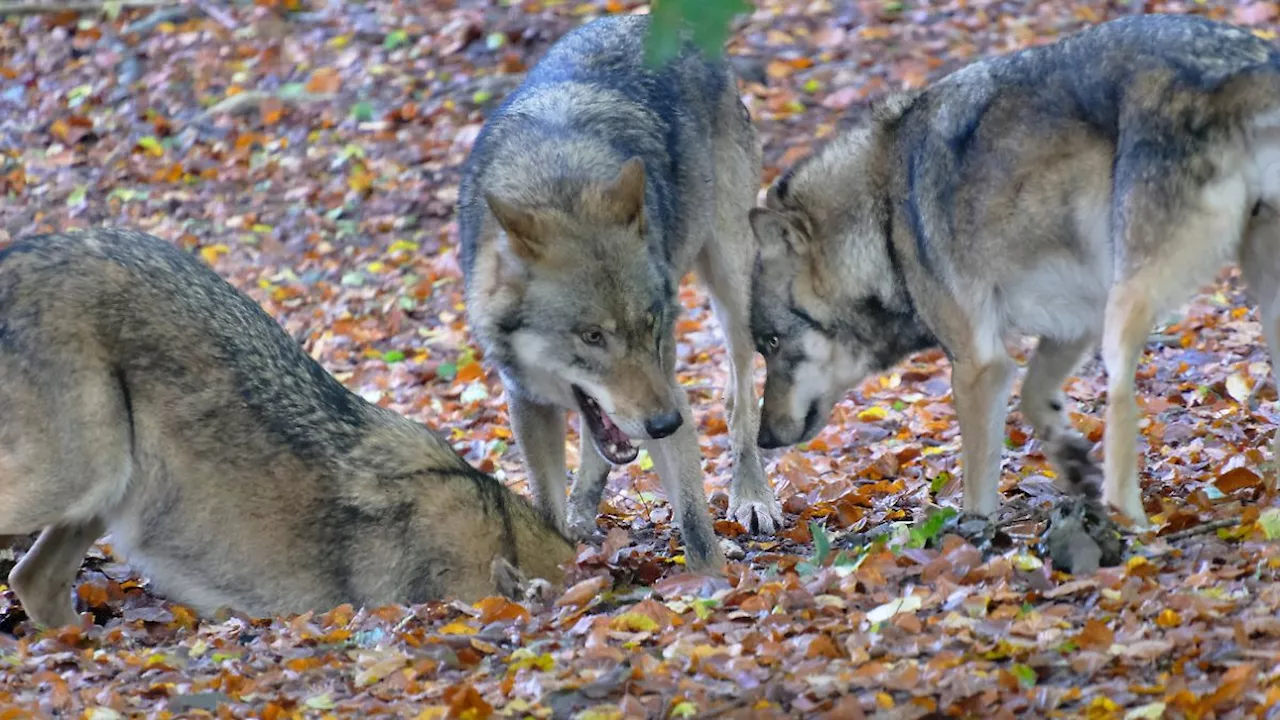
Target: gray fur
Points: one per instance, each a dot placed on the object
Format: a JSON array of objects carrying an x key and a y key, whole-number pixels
[
  {"x": 1072, "y": 192},
  {"x": 144, "y": 396},
  {"x": 558, "y": 250}
]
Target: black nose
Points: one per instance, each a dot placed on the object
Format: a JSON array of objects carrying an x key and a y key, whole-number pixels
[
  {"x": 660, "y": 426},
  {"x": 767, "y": 439}
]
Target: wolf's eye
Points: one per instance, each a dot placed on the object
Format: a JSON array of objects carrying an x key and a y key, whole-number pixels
[
  {"x": 592, "y": 337},
  {"x": 771, "y": 342}
]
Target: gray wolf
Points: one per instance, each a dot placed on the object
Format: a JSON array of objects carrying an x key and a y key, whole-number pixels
[
  {"x": 590, "y": 192},
  {"x": 1073, "y": 192},
  {"x": 143, "y": 395}
]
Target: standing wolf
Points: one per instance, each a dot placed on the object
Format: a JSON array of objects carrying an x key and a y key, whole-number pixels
[
  {"x": 594, "y": 188},
  {"x": 143, "y": 395},
  {"x": 1073, "y": 191}
]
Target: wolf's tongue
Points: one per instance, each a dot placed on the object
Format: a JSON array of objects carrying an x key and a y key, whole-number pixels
[{"x": 613, "y": 434}]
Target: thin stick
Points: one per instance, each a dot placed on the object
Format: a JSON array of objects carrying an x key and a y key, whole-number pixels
[{"x": 1199, "y": 530}]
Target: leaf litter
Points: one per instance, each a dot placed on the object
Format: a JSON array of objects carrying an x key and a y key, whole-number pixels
[{"x": 326, "y": 192}]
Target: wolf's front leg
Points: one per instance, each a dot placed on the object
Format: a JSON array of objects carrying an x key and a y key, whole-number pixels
[
  {"x": 679, "y": 463},
  {"x": 539, "y": 433},
  {"x": 981, "y": 393},
  {"x": 587, "y": 490}
]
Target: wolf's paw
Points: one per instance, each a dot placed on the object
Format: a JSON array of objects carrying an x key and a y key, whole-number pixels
[
  {"x": 581, "y": 527},
  {"x": 758, "y": 516},
  {"x": 1083, "y": 475}
]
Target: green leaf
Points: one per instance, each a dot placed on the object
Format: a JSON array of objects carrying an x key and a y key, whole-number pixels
[
  {"x": 939, "y": 481},
  {"x": 151, "y": 144},
  {"x": 821, "y": 543},
  {"x": 495, "y": 40},
  {"x": 684, "y": 708},
  {"x": 1026, "y": 676},
  {"x": 362, "y": 111},
  {"x": 393, "y": 356},
  {"x": 395, "y": 39},
  {"x": 1269, "y": 521},
  {"x": 293, "y": 90},
  {"x": 922, "y": 533},
  {"x": 481, "y": 97},
  {"x": 320, "y": 702},
  {"x": 447, "y": 371},
  {"x": 355, "y": 278},
  {"x": 77, "y": 196}
]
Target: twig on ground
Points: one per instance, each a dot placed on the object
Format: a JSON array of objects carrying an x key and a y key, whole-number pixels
[
  {"x": 41, "y": 8},
  {"x": 1200, "y": 530},
  {"x": 250, "y": 99}
]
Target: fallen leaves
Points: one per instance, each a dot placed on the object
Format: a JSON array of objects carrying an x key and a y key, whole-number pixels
[{"x": 314, "y": 162}]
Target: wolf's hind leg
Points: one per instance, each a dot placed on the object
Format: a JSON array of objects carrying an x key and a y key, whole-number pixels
[
  {"x": 1044, "y": 405},
  {"x": 65, "y": 464},
  {"x": 1260, "y": 265},
  {"x": 43, "y": 578},
  {"x": 1174, "y": 231}
]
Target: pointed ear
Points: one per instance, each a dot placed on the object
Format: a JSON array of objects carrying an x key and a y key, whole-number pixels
[
  {"x": 777, "y": 233},
  {"x": 521, "y": 226},
  {"x": 623, "y": 199}
]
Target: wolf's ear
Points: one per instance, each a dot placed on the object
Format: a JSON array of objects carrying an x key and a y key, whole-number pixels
[
  {"x": 778, "y": 233},
  {"x": 521, "y": 226},
  {"x": 623, "y": 198}
]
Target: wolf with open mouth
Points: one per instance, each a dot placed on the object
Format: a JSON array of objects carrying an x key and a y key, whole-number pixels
[{"x": 590, "y": 192}]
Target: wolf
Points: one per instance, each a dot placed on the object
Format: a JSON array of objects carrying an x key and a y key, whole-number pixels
[
  {"x": 143, "y": 395},
  {"x": 1074, "y": 192},
  {"x": 589, "y": 193}
]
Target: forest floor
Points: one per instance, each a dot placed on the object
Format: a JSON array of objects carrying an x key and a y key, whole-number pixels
[{"x": 312, "y": 157}]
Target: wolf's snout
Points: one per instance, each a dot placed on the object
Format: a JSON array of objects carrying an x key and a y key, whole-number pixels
[{"x": 664, "y": 425}]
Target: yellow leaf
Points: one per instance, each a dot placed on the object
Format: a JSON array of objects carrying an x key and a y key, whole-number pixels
[
  {"x": 1168, "y": 618},
  {"x": 211, "y": 253},
  {"x": 872, "y": 413},
  {"x": 457, "y": 628},
  {"x": 634, "y": 622}
]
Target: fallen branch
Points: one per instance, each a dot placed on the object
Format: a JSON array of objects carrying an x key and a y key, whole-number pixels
[
  {"x": 1208, "y": 527},
  {"x": 249, "y": 100},
  {"x": 72, "y": 6}
]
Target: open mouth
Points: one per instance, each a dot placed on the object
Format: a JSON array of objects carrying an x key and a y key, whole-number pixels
[{"x": 612, "y": 443}]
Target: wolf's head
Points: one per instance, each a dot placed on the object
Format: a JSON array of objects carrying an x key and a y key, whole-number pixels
[
  {"x": 594, "y": 318},
  {"x": 828, "y": 303}
]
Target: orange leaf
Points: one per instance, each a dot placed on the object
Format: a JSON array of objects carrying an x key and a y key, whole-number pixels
[
  {"x": 272, "y": 109},
  {"x": 93, "y": 594},
  {"x": 493, "y": 609},
  {"x": 470, "y": 372},
  {"x": 324, "y": 80},
  {"x": 1237, "y": 478},
  {"x": 821, "y": 646},
  {"x": 1095, "y": 635},
  {"x": 1234, "y": 682},
  {"x": 583, "y": 592},
  {"x": 464, "y": 701}
]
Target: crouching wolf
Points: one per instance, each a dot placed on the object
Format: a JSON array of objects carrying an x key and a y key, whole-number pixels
[
  {"x": 1073, "y": 192},
  {"x": 588, "y": 195},
  {"x": 143, "y": 395}
]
